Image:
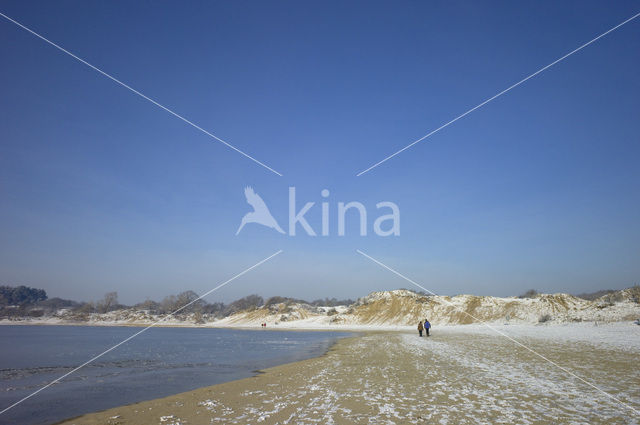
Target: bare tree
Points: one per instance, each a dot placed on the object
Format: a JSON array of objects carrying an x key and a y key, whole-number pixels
[
  {"x": 108, "y": 302},
  {"x": 167, "y": 304},
  {"x": 191, "y": 298}
]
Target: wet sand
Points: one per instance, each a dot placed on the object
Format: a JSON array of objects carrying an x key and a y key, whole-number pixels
[{"x": 399, "y": 378}]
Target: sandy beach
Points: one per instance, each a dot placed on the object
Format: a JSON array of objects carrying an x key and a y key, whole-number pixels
[{"x": 459, "y": 375}]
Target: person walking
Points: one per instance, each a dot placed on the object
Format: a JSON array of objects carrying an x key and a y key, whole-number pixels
[
  {"x": 420, "y": 328},
  {"x": 427, "y": 326}
]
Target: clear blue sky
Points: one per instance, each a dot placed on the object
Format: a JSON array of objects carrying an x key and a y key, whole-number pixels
[{"x": 100, "y": 190}]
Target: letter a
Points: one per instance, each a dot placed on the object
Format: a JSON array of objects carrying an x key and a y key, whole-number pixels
[{"x": 395, "y": 216}]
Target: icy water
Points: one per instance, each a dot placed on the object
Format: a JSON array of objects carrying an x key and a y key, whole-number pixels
[{"x": 157, "y": 363}]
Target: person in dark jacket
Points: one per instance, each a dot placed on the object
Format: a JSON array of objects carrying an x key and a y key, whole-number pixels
[
  {"x": 427, "y": 326},
  {"x": 420, "y": 328}
]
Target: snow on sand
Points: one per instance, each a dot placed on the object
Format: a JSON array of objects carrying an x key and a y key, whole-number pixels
[{"x": 460, "y": 375}]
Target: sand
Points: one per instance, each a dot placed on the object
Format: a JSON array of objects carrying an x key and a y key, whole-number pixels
[{"x": 456, "y": 376}]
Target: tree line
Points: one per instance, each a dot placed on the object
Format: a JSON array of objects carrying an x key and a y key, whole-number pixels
[{"x": 25, "y": 301}]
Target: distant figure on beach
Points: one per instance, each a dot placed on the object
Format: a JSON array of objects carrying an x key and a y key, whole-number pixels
[
  {"x": 427, "y": 326},
  {"x": 420, "y": 328}
]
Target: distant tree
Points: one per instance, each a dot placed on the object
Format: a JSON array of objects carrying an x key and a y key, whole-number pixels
[
  {"x": 167, "y": 305},
  {"x": 185, "y": 302},
  {"x": 189, "y": 302},
  {"x": 245, "y": 303},
  {"x": 150, "y": 305},
  {"x": 590, "y": 296},
  {"x": 531, "y": 293},
  {"x": 215, "y": 309},
  {"x": 21, "y": 295},
  {"x": 108, "y": 302},
  {"x": 286, "y": 300},
  {"x": 332, "y": 302}
]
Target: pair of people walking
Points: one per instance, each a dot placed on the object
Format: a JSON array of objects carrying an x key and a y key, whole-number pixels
[{"x": 424, "y": 327}]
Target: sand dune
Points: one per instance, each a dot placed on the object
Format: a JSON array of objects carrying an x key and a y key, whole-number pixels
[{"x": 403, "y": 308}]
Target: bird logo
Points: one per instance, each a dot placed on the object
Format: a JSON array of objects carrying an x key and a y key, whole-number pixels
[{"x": 260, "y": 213}]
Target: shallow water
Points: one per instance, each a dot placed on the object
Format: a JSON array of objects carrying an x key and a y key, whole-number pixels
[{"x": 157, "y": 363}]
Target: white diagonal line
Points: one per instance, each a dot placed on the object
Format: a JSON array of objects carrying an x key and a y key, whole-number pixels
[
  {"x": 141, "y": 331},
  {"x": 175, "y": 114},
  {"x": 501, "y": 333},
  {"x": 499, "y": 94}
]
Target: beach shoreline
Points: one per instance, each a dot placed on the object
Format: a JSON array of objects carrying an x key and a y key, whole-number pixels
[
  {"x": 116, "y": 415},
  {"x": 236, "y": 326},
  {"x": 160, "y": 363},
  {"x": 458, "y": 375}
]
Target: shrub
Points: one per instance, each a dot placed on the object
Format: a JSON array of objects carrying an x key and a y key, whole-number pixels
[
  {"x": 544, "y": 318},
  {"x": 85, "y": 308},
  {"x": 276, "y": 300}
]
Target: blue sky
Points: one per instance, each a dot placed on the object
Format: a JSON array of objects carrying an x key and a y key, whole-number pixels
[{"x": 103, "y": 191}]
